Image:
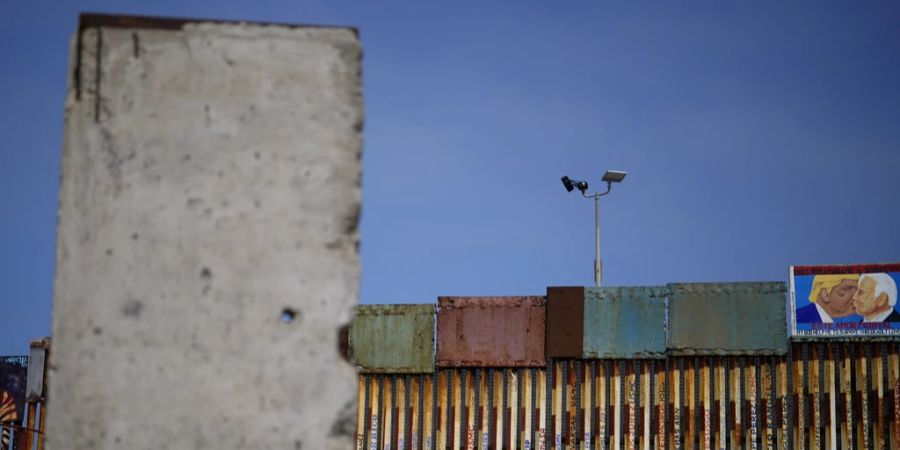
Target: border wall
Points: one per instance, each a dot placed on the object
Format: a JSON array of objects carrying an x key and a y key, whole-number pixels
[{"x": 682, "y": 366}]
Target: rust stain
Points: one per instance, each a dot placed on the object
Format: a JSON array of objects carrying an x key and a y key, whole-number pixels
[{"x": 491, "y": 331}]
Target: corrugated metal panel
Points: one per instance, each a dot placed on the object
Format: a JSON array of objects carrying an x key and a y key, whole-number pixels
[
  {"x": 565, "y": 322},
  {"x": 625, "y": 322},
  {"x": 727, "y": 319},
  {"x": 490, "y": 331},
  {"x": 819, "y": 396},
  {"x": 393, "y": 338}
]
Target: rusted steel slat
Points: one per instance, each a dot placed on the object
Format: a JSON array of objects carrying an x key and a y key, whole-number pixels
[
  {"x": 725, "y": 404},
  {"x": 634, "y": 396},
  {"x": 771, "y": 438},
  {"x": 709, "y": 435},
  {"x": 492, "y": 412},
  {"x": 515, "y": 401},
  {"x": 851, "y": 394},
  {"x": 605, "y": 428},
  {"x": 740, "y": 398},
  {"x": 366, "y": 416},
  {"x": 820, "y": 396},
  {"x": 405, "y": 420},
  {"x": 754, "y": 403},
  {"x": 462, "y": 431},
  {"x": 620, "y": 403},
  {"x": 563, "y": 416},
  {"x": 866, "y": 397},
  {"x": 678, "y": 435},
  {"x": 833, "y": 424},
  {"x": 590, "y": 404},
  {"x": 789, "y": 399},
  {"x": 652, "y": 405},
  {"x": 803, "y": 422},
  {"x": 665, "y": 417},
  {"x": 504, "y": 411},
  {"x": 532, "y": 407},
  {"x": 390, "y": 429},
  {"x": 885, "y": 398},
  {"x": 784, "y": 393},
  {"x": 378, "y": 418},
  {"x": 558, "y": 404},
  {"x": 579, "y": 417},
  {"x": 695, "y": 428},
  {"x": 548, "y": 402},
  {"x": 420, "y": 412},
  {"x": 433, "y": 419}
]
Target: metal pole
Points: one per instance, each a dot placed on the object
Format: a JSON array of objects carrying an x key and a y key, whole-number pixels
[{"x": 598, "y": 263}]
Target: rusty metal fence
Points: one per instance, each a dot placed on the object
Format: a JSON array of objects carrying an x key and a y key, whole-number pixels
[{"x": 818, "y": 396}]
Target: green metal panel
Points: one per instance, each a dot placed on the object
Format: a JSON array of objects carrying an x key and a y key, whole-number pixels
[
  {"x": 625, "y": 322},
  {"x": 728, "y": 319},
  {"x": 393, "y": 339}
]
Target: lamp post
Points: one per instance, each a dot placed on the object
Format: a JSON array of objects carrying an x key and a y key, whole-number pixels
[{"x": 610, "y": 177}]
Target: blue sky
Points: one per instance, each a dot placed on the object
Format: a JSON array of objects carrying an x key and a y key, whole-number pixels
[{"x": 756, "y": 136}]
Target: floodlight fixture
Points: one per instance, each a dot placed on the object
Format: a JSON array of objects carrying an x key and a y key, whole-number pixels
[
  {"x": 610, "y": 177},
  {"x": 614, "y": 176}
]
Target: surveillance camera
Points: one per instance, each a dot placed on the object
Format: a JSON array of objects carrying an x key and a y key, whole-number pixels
[{"x": 568, "y": 184}]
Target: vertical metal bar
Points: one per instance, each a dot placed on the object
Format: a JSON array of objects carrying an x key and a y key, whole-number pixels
[
  {"x": 591, "y": 431},
  {"x": 804, "y": 402},
  {"x": 696, "y": 412},
  {"x": 771, "y": 439},
  {"x": 604, "y": 415},
  {"x": 666, "y": 417},
  {"x": 866, "y": 398},
  {"x": 620, "y": 402},
  {"x": 393, "y": 412},
  {"x": 519, "y": 405},
  {"x": 367, "y": 414},
  {"x": 754, "y": 406},
  {"x": 476, "y": 408},
  {"x": 789, "y": 394},
  {"x": 820, "y": 397},
  {"x": 739, "y": 403},
  {"x": 461, "y": 440},
  {"x": 651, "y": 403},
  {"x": 635, "y": 403},
  {"x": 432, "y": 437},
  {"x": 548, "y": 398},
  {"x": 851, "y": 413},
  {"x": 710, "y": 418},
  {"x": 579, "y": 417},
  {"x": 490, "y": 412},
  {"x": 725, "y": 403},
  {"x": 534, "y": 407},
  {"x": 564, "y": 410},
  {"x": 407, "y": 416},
  {"x": 420, "y": 412},
  {"x": 885, "y": 400},
  {"x": 503, "y": 410},
  {"x": 679, "y": 407},
  {"x": 837, "y": 400},
  {"x": 380, "y": 405},
  {"x": 448, "y": 415}
]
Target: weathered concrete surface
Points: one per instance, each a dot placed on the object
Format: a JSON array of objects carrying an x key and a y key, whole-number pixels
[
  {"x": 625, "y": 322},
  {"x": 210, "y": 183},
  {"x": 393, "y": 338},
  {"x": 727, "y": 319}
]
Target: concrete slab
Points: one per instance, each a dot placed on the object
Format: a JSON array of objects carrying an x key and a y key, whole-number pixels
[{"x": 207, "y": 237}]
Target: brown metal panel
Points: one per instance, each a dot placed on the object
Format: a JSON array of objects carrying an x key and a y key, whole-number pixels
[
  {"x": 565, "y": 322},
  {"x": 490, "y": 332}
]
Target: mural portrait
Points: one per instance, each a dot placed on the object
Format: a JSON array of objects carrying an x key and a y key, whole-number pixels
[
  {"x": 850, "y": 300},
  {"x": 13, "y": 374}
]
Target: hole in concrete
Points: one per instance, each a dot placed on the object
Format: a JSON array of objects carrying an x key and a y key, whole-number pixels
[{"x": 288, "y": 315}]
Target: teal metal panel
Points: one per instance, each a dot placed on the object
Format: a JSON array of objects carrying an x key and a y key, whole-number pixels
[
  {"x": 728, "y": 319},
  {"x": 625, "y": 322},
  {"x": 392, "y": 339}
]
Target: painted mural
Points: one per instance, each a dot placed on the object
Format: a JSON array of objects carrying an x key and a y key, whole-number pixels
[
  {"x": 13, "y": 374},
  {"x": 845, "y": 300}
]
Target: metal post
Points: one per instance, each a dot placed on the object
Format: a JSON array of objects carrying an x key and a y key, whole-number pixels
[{"x": 598, "y": 263}]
